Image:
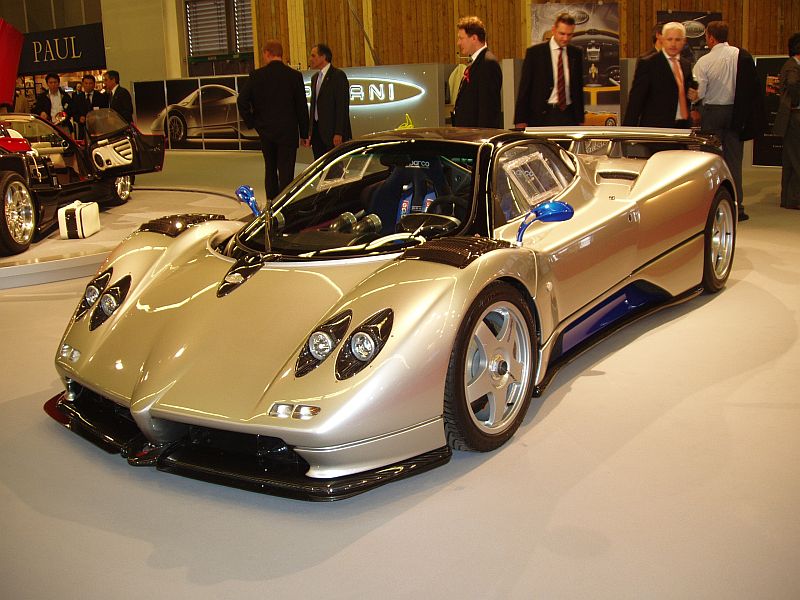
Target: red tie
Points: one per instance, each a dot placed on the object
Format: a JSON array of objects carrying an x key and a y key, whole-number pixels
[
  {"x": 561, "y": 86},
  {"x": 676, "y": 70}
]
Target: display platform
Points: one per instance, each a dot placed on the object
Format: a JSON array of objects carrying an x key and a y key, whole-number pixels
[{"x": 53, "y": 259}]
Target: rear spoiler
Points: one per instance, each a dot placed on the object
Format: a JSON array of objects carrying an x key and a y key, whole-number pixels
[{"x": 626, "y": 142}]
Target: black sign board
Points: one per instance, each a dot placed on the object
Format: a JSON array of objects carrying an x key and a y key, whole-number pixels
[
  {"x": 64, "y": 50},
  {"x": 767, "y": 149}
]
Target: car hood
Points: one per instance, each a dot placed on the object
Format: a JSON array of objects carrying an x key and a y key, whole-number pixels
[{"x": 175, "y": 346}]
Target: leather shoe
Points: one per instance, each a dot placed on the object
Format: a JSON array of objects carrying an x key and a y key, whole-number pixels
[{"x": 743, "y": 217}]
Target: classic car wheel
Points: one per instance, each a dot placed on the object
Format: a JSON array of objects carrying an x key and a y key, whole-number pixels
[
  {"x": 611, "y": 122},
  {"x": 176, "y": 127},
  {"x": 490, "y": 377},
  {"x": 18, "y": 218},
  {"x": 119, "y": 190},
  {"x": 720, "y": 242}
]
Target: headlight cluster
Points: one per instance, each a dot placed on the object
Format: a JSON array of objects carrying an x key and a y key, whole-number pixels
[
  {"x": 102, "y": 299},
  {"x": 360, "y": 348},
  {"x": 322, "y": 342}
]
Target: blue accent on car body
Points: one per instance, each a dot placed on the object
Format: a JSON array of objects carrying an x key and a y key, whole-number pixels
[
  {"x": 547, "y": 212},
  {"x": 627, "y": 301}
]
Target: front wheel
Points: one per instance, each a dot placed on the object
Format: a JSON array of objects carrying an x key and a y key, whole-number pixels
[
  {"x": 18, "y": 217},
  {"x": 719, "y": 241},
  {"x": 490, "y": 376}
]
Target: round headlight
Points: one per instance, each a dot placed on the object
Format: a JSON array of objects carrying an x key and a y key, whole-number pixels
[
  {"x": 320, "y": 345},
  {"x": 363, "y": 346},
  {"x": 108, "y": 303},
  {"x": 92, "y": 294}
]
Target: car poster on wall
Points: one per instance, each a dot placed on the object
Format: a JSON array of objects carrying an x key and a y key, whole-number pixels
[
  {"x": 597, "y": 34},
  {"x": 695, "y": 23}
]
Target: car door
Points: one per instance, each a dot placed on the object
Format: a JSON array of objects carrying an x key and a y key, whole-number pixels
[
  {"x": 585, "y": 256},
  {"x": 117, "y": 148}
]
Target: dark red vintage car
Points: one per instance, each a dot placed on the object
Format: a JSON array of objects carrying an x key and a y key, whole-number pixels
[{"x": 42, "y": 168}]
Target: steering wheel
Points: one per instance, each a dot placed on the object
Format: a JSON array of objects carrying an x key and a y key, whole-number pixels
[{"x": 452, "y": 201}]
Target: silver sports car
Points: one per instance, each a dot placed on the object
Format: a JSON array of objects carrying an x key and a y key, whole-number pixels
[{"x": 406, "y": 295}]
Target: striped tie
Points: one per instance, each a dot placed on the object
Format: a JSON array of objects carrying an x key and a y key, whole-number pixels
[{"x": 561, "y": 85}]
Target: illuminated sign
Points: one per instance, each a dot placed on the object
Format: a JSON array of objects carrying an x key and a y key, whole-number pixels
[
  {"x": 377, "y": 92},
  {"x": 580, "y": 16},
  {"x": 694, "y": 29}
]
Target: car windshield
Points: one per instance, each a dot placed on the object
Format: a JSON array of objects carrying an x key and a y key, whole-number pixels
[
  {"x": 372, "y": 198},
  {"x": 103, "y": 122}
]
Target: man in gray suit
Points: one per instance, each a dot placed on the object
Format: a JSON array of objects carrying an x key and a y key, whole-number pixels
[{"x": 787, "y": 124}]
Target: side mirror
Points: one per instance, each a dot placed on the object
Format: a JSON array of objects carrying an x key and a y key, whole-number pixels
[
  {"x": 247, "y": 195},
  {"x": 547, "y": 212}
]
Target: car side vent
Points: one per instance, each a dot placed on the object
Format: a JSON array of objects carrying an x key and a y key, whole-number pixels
[
  {"x": 627, "y": 175},
  {"x": 123, "y": 148}
]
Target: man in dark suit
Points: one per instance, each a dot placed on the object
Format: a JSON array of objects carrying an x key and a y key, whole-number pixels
[
  {"x": 478, "y": 100},
  {"x": 733, "y": 99},
  {"x": 54, "y": 104},
  {"x": 330, "y": 102},
  {"x": 85, "y": 102},
  {"x": 273, "y": 102},
  {"x": 659, "y": 94},
  {"x": 551, "y": 86},
  {"x": 119, "y": 99}
]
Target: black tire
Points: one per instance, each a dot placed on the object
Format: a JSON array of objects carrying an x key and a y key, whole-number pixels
[
  {"x": 18, "y": 214},
  {"x": 119, "y": 190},
  {"x": 175, "y": 127},
  {"x": 611, "y": 122},
  {"x": 719, "y": 242},
  {"x": 505, "y": 367}
]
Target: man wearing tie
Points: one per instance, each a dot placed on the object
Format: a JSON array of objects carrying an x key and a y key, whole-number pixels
[
  {"x": 659, "y": 94},
  {"x": 86, "y": 101},
  {"x": 330, "y": 102},
  {"x": 478, "y": 99},
  {"x": 551, "y": 86}
]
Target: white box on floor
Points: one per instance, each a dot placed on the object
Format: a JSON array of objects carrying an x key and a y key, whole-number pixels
[{"x": 78, "y": 220}]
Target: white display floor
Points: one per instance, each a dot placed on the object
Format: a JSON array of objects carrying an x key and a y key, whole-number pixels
[{"x": 661, "y": 464}]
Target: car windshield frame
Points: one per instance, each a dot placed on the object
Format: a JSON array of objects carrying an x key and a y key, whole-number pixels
[{"x": 370, "y": 197}]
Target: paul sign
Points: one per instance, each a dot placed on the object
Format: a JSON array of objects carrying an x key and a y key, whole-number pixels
[{"x": 63, "y": 50}]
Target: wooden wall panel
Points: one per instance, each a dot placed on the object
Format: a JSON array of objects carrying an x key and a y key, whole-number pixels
[
  {"x": 272, "y": 23},
  {"x": 423, "y": 31},
  {"x": 331, "y": 22}
]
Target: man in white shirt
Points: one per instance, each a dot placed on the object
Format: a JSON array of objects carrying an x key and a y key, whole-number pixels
[
  {"x": 732, "y": 107},
  {"x": 54, "y": 104}
]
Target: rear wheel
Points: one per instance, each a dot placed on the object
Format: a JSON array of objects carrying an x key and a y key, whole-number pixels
[
  {"x": 720, "y": 242},
  {"x": 490, "y": 376},
  {"x": 18, "y": 217}
]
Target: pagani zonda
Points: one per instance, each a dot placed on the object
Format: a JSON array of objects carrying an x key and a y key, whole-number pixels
[
  {"x": 43, "y": 168},
  {"x": 209, "y": 111},
  {"x": 407, "y": 294}
]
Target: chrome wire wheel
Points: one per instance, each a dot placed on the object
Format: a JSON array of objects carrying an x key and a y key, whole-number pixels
[
  {"x": 122, "y": 187},
  {"x": 722, "y": 237},
  {"x": 497, "y": 368},
  {"x": 20, "y": 212},
  {"x": 176, "y": 127}
]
